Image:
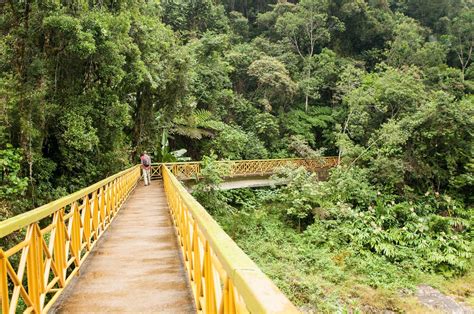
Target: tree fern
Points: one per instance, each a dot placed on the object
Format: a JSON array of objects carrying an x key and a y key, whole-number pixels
[{"x": 200, "y": 123}]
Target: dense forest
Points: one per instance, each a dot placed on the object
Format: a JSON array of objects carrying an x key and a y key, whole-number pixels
[
  {"x": 87, "y": 85},
  {"x": 385, "y": 85}
]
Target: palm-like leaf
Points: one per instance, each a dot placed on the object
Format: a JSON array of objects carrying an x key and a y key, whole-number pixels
[{"x": 198, "y": 124}]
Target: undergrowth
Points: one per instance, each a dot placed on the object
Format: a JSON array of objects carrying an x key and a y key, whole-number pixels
[{"x": 343, "y": 246}]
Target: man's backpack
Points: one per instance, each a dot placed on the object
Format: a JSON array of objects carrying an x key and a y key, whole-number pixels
[{"x": 146, "y": 162}]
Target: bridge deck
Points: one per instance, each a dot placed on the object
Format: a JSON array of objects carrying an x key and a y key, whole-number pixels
[{"x": 136, "y": 266}]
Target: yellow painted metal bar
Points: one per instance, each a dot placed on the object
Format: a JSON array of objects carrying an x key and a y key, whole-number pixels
[
  {"x": 246, "y": 281},
  {"x": 86, "y": 218},
  {"x": 4, "y": 282},
  {"x": 95, "y": 214}
]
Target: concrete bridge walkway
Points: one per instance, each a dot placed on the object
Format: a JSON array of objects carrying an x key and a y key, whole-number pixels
[{"x": 136, "y": 265}]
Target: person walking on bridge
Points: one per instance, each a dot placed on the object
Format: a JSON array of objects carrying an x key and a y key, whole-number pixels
[{"x": 146, "y": 167}]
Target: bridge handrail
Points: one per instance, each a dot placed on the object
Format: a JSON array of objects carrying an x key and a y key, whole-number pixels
[
  {"x": 57, "y": 239},
  {"x": 245, "y": 160},
  {"x": 231, "y": 280},
  {"x": 191, "y": 169}
]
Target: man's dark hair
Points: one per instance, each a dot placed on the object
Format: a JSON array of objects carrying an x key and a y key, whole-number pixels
[{"x": 141, "y": 155}]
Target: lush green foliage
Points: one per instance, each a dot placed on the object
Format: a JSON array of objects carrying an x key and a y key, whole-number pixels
[
  {"x": 206, "y": 190},
  {"x": 12, "y": 185},
  {"x": 85, "y": 86},
  {"x": 353, "y": 241}
]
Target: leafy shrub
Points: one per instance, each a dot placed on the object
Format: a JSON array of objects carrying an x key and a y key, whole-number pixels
[
  {"x": 297, "y": 195},
  {"x": 206, "y": 191},
  {"x": 12, "y": 184},
  {"x": 234, "y": 143}
]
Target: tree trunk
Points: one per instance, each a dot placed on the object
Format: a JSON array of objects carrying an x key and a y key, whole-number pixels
[{"x": 306, "y": 104}]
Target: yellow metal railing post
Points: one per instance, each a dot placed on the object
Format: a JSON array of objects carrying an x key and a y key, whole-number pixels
[
  {"x": 102, "y": 207},
  {"x": 86, "y": 220},
  {"x": 209, "y": 281},
  {"x": 75, "y": 232},
  {"x": 59, "y": 252},
  {"x": 108, "y": 202},
  {"x": 95, "y": 214},
  {"x": 34, "y": 267},
  {"x": 4, "y": 282},
  {"x": 197, "y": 278}
]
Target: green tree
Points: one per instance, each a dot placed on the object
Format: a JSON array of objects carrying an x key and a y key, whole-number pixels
[
  {"x": 461, "y": 38},
  {"x": 235, "y": 144},
  {"x": 306, "y": 26},
  {"x": 274, "y": 84},
  {"x": 398, "y": 130},
  {"x": 194, "y": 17}
]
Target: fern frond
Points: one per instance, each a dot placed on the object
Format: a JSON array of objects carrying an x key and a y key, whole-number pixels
[{"x": 191, "y": 132}]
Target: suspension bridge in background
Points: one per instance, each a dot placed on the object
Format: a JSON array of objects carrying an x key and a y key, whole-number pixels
[{"x": 118, "y": 246}]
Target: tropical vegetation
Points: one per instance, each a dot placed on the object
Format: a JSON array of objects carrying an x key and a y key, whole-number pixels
[{"x": 385, "y": 85}]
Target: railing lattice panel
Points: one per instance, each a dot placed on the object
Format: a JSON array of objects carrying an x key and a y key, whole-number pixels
[{"x": 242, "y": 168}]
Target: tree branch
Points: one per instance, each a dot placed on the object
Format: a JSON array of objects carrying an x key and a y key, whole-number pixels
[{"x": 295, "y": 42}]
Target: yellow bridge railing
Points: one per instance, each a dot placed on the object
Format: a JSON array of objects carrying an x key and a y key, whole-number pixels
[
  {"x": 223, "y": 278},
  {"x": 239, "y": 168},
  {"x": 57, "y": 237}
]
